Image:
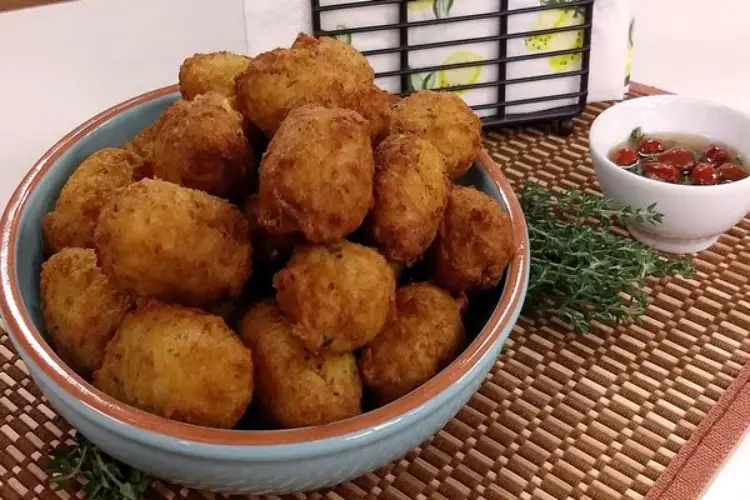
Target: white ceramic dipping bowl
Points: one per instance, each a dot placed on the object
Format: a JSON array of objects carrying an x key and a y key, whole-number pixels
[{"x": 694, "y": 217}]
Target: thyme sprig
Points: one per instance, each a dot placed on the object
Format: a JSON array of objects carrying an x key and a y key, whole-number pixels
[
  {"x": 103, "y": 477},
  {"x": 581, "y": 270}
]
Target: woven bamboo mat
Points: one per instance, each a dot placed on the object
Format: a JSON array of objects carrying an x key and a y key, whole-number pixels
[{"x": 617, "y": 414}]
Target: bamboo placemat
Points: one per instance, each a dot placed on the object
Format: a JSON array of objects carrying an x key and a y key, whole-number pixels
[{"x": 624, "y": 413}]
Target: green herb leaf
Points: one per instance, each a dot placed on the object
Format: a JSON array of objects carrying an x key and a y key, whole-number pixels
[
  {"x": 436, "y": 8},
  {"x": 631, "y": 29},
  {"x": 344, "y": 37},
  {"x": 635, "y": 136},
  {"x": 429, "y": 81},
  {"x": 415, "y": 82},
  {"x": 581, "y": 271},
  {"x": 105, "y": 478},
  {"x": 739, "y": 160}
]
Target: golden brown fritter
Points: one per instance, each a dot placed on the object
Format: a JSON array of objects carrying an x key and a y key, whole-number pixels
[
  {"x": 474, "y": 243},
  {"x": 411, "y": 191},
  {"x": 269, "y": 249},
  {"x": 374, "y": 104},
  {"x": 179, "y": 363},
  {"x": 158, "y": 239},
  {"x": 316, "y": 175},
  {"x": 82, "y": 308},
  {"x": 294, "y": 387},
  {"x": 444, "y": 119},
  {"x": 326, "y": 72},
  {"x": 423, "y": 336},
  {"x": 143, "y": 145},
  {"x": 214, "y": 71},
  {"x": 201, "y": 144},
  {"x": 337, "y": 297},
  {"x": 340, "y": 54},
  {"x": 71, "y": 223}
]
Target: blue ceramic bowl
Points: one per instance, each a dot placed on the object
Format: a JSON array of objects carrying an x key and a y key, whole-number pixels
[{"x": 234, "y": 460}]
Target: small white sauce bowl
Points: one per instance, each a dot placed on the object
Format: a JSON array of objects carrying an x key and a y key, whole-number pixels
[{"x": 694, "y": 217}]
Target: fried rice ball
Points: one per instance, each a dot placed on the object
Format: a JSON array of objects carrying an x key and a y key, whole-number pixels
[
  {"x": 444, "y": 119},
  {"x": 475, "y": 242},
  {"x": 82, "y": 307},
  {"x": 422, "y": 337},
  {"x": 322, "y": 71},
  {"x": 161, "y": 240},
  {"x": 337, "y": 297},
  {"x": 71, "y": 223},
  {"x": 179, "y": 363},
  {"x": 316, "y": 176},
  {"x": 214, "y": 71},
  {"x": 411, "y": 191},
  {"x": 338, "y": 53},
  {"x": 294, "y": 387},
  {"x": 374, "y": 105},
  {"x": 143, "y": 145},
  {"x": 201, "y": 144}
]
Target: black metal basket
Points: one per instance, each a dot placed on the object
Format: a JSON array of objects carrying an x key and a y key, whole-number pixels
[{"x": 499, "y": 112}]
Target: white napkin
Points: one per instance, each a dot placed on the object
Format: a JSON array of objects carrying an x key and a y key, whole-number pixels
[{"x": 274, "y": 24}]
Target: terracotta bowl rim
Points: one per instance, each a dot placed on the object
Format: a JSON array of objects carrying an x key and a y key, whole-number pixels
[{"x": 32, "y": 342}]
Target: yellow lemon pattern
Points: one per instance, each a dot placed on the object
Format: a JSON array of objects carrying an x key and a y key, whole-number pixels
[
  {"x": 446, "y": 78},
  {"x": 459, "y": 76},
  {"x": 419, "y": 5},
  {"x": 551, "y": 19},
  {"x": 440, "y": 8}
]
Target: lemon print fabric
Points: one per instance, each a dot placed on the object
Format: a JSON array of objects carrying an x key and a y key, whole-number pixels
[
  {"x": 629, "y": 59},
  {"x": 566, "y": 40},
  {"x": 440, "y": 8},
  {"x": 343, "y": 37},
  {"x": 446, "y": 78},
  {"x": 419, "y": 5},
  {"x": 460, "y": 76}
]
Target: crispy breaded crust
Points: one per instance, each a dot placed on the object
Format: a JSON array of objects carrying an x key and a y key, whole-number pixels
[
  {"x": 337, "y": 297},
  {"x": 71, "y": 223},
  {"x": 158, "y": 239},
  {"x": 446, "y": 121},
  {"x": 201, "y": 144},
  {"x": 422, "y": 337},
  {"x": 82, "y": 307},
  {"x": 411, "y": 191},
  {"x": 322, "y": 71},
  {"x": 474, "y": 243},
  {"x": 180, "y": 363},
  {"x": 214, "y": 71},
  {"x": 294, "y": 387},
  {"x": 316, "y": 176}
]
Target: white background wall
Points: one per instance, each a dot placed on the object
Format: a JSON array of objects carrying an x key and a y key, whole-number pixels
[{"x": 61, "y": 64}]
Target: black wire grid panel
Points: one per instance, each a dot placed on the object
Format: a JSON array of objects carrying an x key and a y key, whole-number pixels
[{"x": 511, "y": 92}]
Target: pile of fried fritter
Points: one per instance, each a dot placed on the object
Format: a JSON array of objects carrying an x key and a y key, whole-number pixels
[{"x": 249, "y": 252}]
